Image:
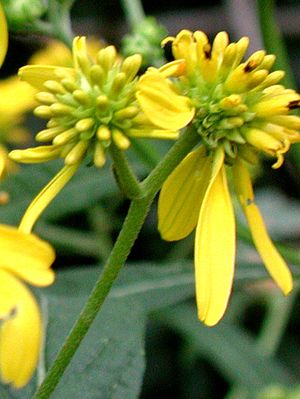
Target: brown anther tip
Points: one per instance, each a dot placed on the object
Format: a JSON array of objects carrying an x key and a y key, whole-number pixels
[
  {"x": 250, "y": 66},
  {"x": 207, "y": 51},
  {"x": 4, "y": 198},
  {"x": 294, "y": 104}
]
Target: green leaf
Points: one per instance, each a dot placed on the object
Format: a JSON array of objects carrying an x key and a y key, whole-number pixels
[
  {"x": 111, "y": 359},
  {"x": 86, "y": 188},
  {"x": 229, "y": 348},
  {"x": 110, "y": 362},
  {"x": 282, "y": 214}
]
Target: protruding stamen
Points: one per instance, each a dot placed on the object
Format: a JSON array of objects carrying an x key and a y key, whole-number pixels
[
  {"x": 54, "y": 87},
  {"x": 69, "y": 85},
  {"x": 102, "y": 102},
  {"x": 45, "y": 97},
  {"x": 60, "y": 109},
  {"x": 118, "y": 83},
  {"x": 103, "y": 133},
  {"x": 77, "y": 153},
  {"x": 43, "y": 111},
  {"x": 84, "y": 124},
  {"x": 121, "y": 141},
  {"x": 49, "y": 134},
  {"x": 97, "y": 75},
  {"x": 65, "y": 136},
  {"x": 131, "y": 66},
  {"x": 81, "y": 96},
  {"x": 107, "y": 57},
  {"x": 99, "y": 155},
  {"x": 126, "y": 113}
]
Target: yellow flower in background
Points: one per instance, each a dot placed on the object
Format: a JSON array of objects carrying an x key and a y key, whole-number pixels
[
  {"x": 91, "y": 107},
  {"x": 3, "y": 36},
  {"x": 240, "y": 110},
  {"x": 23, "y": 257},
  {"x": 16, "y": 99},
  {"x": 58, "y": 54}
]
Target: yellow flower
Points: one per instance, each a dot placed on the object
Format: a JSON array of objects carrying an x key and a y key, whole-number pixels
[
  {"x": 240, "y": 110},
  {"x": 91, "y": 106},
  {"x": 23, "y": 257},
  {"x": 17, "y": 98},
  {"x": 14, "y": 101},
  {"x": 57, "y": 53},
  {"x": 3, "y": 36}
]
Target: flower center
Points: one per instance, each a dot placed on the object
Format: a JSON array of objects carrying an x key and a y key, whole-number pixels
[
  {"x": 220, "y": 118},
  {"x": 91, "y": 106}
]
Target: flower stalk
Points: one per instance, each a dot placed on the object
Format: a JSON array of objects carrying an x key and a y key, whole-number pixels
[
  {"x": 134, "y": 11},
  {"x": 125, "y": 176},
  {"x": 133, "y": 223}
]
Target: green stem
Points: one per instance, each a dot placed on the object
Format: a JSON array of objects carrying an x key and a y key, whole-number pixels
[
  {"x": 59, "y": 17},
  {"x": 134, "y": 12},
  {"x": 58, "y": 25},
  {"x": 273, "y": 40},
  {"x": 128, "y": 234},
  {"x": 125, "y": 176}
]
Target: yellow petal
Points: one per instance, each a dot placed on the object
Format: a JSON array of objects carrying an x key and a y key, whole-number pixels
[
  {"x": 173, "y": 68},
  {"x": 37, "y": 75},
  {"x": 3, "y": 36},
  {"x": 36, "y": 154},
  {"x": 26, "y": 255},
  {"x": 181, "y": 196},
  {"x": 215, "y": 248},
  {"x": 3, "y": 159},
  {"x": 42, "y": 200},
  {"x": 273, "y": 261},
  {"x": 20, "y": 331},
  {"x": 16, "y": 98},
  {"x": 78, "y": 48},
  {"x": 161, "y": 104},
  {"x": 148, "y": 132}
]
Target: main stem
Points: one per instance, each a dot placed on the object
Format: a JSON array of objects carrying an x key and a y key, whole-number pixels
[
  {"x": 131, "y": 227},
  {"x": 134, "y": 11},
  {"x": 130, "y": 230}
]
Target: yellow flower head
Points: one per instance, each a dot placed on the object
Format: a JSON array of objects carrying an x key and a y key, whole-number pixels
[
  {"x": 24, "y": 257},
  {"x": 240, "y": 110},
  {"x": 91, "y": 106}
]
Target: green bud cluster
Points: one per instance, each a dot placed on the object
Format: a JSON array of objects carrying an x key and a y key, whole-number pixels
[
  {"x": 145, "y": 39},
  {"x": 20, "y": 12}
]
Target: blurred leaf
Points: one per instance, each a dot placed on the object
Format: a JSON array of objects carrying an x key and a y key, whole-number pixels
[
  {"x": 85, "y": 189},
  {"x": 229, "y": 348},
  {"x": 281, "y": 213},
  {"x": 111, "y": 360}
]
